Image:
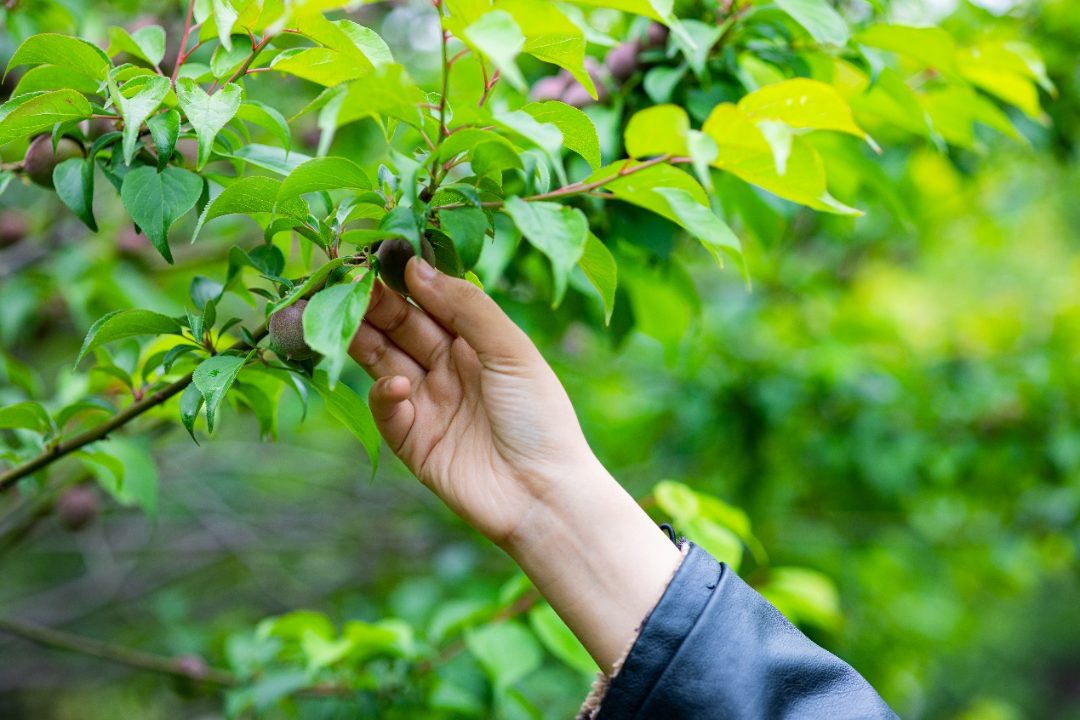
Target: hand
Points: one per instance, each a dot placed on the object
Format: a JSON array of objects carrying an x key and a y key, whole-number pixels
[
  {"x": 467, "y": 402},
  {"x": 465, "y": 399}
]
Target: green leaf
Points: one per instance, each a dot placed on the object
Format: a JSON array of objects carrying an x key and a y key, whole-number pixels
[
  {"x": 164, "y": 128},
  {"x": 140, "y": 475},
  {"x": 268, "y": 118},
  {"x": 659, "y": 130},
  {"x": 497, "y": 35},
  {"x": 818, "y": 18},
  {"x": 271, "y": 158},
  {"x": 403, "y": 222},
  {"x": 262, "y": 391},
  {"x": 41, "y": 112},
  {"x": 559, "y": 640},
  {"x": 507, "y": 651},
  {"x": 466, "y": 227},
  {"x": 124, "y": 324},
  {"x": 64, "y": 51},
  {"x": 191, "y": 401},
  {"x": 304, "y": 288},
  {"x": 207, "y": 113},
  {"x": 639, "y": 187},
  {"x": 373, "y": 47},
  {"x": 350, "y": 411},
  {"x": 225, "y": 62},
  {"x": 214, "y": 376},
  {"x": 90, "y": 404},
  {"x": 555, "y": 230},
  {"x": 805, "y": 596},
  {"x": 716, "y": 540},
  {"x": 74, "y": 183},
  {"x": 108, "y": 462},
  {"x": 147, "y": 43},
  {"x": 931, "y": 46},
  {"x": 331, "y": 319},
  {"x": 54, "y": 77},
  {"x": 494, "y": 157},
  {"x": 26, "y": 415},
  {"x": 155, "y": 200},
  {"x": 321, "y": 65},
  {"x": 802, "y": 103},
  {"x": 702, "y": 222},
  {"x": 138, "y": 108},
  {"x": 662, "y": 11},
  {"x": 225, "y": 16},
  {"x": 318, "y": 174},
  {"x": 677, "y": 500},
  {"x": 578, "y": 132},
  {"x": 660, "y": 82},
  {"x": 551, "y": 36},
  {"x": 743, "y": 150},
  {"x": 599, "y": 266},
  {"x": 251, "y": 196}
]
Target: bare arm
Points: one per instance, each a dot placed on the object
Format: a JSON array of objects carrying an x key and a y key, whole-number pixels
[{"x": 467, "y": 402}]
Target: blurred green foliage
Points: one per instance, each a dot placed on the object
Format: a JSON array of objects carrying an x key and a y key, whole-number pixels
[{"x": 885, "y": 431}]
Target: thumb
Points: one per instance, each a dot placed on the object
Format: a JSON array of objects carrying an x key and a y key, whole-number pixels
[{"x": 468, "y": 311}]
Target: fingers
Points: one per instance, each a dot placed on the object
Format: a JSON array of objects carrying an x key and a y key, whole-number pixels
[
  {"x": 468, "y": 311},
  {"x": 407, "y": 326},
  {"x": 380, "y": 357},
  {"x": 393, "y": 411}
]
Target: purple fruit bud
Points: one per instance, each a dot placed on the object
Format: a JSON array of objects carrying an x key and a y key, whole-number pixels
[
  {"x": 549, "y": 88},
  {"x": 657, "y": 35},
  {"x": 577, "y": 96},
  {"x": 192, "y": 665},
  {"x": 77, "y": 507},
  {"x": 623, "y": 60}
]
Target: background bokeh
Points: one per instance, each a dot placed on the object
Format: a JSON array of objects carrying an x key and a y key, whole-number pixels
[{"x": 895, "y": 404}]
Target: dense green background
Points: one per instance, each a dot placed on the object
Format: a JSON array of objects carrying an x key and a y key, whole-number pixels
[{"x": 895, "y": 404}]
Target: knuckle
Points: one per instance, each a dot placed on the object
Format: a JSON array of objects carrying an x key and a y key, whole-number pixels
[{"x": 397, "y": 318}]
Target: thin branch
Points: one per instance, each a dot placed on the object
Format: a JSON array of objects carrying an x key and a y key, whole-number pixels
[
  {"x": 255, "y": 50},
  {"x": 51, "y": 454},
  {"x": 180, "y": 57},
  {"x": 445, "y": 82},
  {"x": 579, "y": 188},
  {"x": 488, "y": 87},
  {"x": 60, "y": 640}
]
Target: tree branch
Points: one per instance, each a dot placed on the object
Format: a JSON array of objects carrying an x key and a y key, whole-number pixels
[
  {"x": 577, "y": 188},
  {"x": 60, "y": 640},
  {"x": 180, "y": 57},
  {"x": 51, "y": 454}
]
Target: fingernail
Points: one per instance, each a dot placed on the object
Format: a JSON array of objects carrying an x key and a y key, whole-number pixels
[{"x": 425, "y": 272}]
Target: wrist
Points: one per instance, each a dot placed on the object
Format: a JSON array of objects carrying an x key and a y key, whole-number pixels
[{"x": 595, "y": 555}]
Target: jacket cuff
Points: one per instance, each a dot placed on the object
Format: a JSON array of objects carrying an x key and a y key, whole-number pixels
[{"x": 591, "y": 707}]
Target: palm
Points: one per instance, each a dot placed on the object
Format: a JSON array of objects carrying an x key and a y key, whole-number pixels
[{"x": 478, "y": 431}]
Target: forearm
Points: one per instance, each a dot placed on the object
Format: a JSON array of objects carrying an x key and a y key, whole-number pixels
[{"x": 597, "y": 558}]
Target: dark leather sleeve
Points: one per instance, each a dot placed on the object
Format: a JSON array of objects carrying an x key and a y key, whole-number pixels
[{"x": 714, "y": 648}]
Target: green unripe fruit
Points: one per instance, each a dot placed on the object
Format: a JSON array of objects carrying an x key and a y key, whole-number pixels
[
  {"x": 394, "y": 256},
  {"x": 287, "y": 332},
  {"x": 40, "y": 159}
]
